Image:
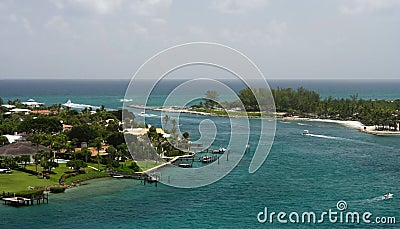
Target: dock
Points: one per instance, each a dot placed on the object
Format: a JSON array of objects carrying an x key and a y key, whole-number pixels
[{"x": 22, "y": 201}]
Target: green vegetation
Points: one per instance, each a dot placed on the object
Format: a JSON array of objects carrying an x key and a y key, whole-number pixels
[
  {"x": 85, "y": 176},
  {"x": 57, "y": 189},
  {"x": 144, "y": 165},
  {"x": 93, "y": 144},
  {"x": 307, "y": 103},
  {"x": 20, "y": 181}
]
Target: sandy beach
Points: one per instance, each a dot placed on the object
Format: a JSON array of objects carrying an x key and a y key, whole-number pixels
[{"x": 352, "y": 124}]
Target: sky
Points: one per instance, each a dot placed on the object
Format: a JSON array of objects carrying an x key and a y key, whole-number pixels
[{"x": 110, "y": 39}]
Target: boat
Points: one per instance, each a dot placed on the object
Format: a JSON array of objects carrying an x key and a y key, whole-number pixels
[
  {"x": 218, "y": 151},
  {"x": 143, "y": 114},
  {"x": 152, "y": 178},
  {"x": 118, "y": 176},
  {"x": 70, "y": 104},
  {"x": 388, "y": 196},
  {"x": 207, "y": 159},
  {"x": 183, "y": 165},
  {"x": 125, "y": 100},
  {"x": 306, "y": 132}
]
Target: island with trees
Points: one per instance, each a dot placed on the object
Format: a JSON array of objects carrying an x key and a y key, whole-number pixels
[{"x": 53, "y": 147}]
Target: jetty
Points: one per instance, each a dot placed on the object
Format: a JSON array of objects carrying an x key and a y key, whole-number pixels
[{"x": 17, "y": 201}]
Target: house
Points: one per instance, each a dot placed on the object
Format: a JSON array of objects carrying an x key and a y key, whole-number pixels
[
  {"x": 66, "y": 127},
  {"x": 32, "y": 103},
  {"x": 143, "y": 131},
  {"x": 41, "y": 112},
  {"x": 19, "y": 110},
  {"x": 21, "y": 148},
  {"x": 94, "y": 151},
  {"x": 8, "y": 106}
]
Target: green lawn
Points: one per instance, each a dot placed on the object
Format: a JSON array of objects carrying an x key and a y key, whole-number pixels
[
  {"x": 95, "y": 165},
  {"x": 86, "y": 176},
  {"x": 20, "y": 181}
]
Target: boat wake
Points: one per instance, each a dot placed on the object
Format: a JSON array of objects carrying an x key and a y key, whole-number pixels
[
  {"x": 148, "y": 115},
  {"x": 326, "y": 137},
  {"x": 303, "y": 124},
  {"x": 284, "y": 122},
  {"x": 372, "y": 200}
]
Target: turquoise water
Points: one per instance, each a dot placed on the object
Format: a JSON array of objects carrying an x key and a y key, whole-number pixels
[{"x": 301, "y": 173}]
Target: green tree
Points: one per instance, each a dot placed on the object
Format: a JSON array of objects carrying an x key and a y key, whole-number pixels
[
  {"x": 212, "y": 95},
  {"x": 166, "y": 119},
  {"x": 115, "y": 139},
  {"x": 83, "y": 133},
  {"x": 76, "y": 164},
  {"x": 4, "y": 141}
]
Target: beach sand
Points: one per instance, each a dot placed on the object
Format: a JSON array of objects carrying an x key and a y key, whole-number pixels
[{"x": 352, "y": 124}]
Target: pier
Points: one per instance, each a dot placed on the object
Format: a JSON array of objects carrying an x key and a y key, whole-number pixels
[{"x": 22, "y": 201}]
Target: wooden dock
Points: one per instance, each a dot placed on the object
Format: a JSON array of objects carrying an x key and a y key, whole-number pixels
[{"x": 22, "y": 201}]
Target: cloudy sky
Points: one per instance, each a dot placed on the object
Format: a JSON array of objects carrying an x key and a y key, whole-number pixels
[{"x": 286, "y": 39}]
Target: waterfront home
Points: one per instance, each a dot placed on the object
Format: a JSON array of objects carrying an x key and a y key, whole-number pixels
[
  {"x": 21, "y": 148},
  {"x": 32, "y": 103}
]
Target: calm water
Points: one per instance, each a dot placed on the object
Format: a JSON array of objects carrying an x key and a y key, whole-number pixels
[
  {"x": 302, "y": 173},
  {"x": 109, "y": 92}
]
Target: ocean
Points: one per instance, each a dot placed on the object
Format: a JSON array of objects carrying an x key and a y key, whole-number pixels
[{"x": 301, "y": 173}]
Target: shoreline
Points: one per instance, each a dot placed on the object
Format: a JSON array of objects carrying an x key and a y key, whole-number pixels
[
  {"x": 357, "y": 125},
  {"x": 187, "y": 111}
]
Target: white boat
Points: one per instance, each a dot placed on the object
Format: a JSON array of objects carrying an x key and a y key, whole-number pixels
[
  {"x": 118, "y": 176},
  {"x": 207, "y": 159},
  {"x": 125, "y": 100},
  {"x": 388, "y": 196},
  {"x": 143, "y": 114},
  {"x": 220, "y": 150},
  {"x": 185, "y": 165},
  {"x": 79, "y": 106},
  {"x": 152, "y": 178},
  {"x": 306, "y": 132}
]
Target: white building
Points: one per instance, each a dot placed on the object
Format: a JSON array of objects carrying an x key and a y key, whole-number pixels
[
  {"x": 13, "y": 138},
  {"x": 32, "y": 103}
]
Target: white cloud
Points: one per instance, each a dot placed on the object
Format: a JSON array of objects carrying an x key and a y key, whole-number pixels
[
  {"x": 59, "y": 4},
  {"x": 150, "y": 7},
  {"x": 237, "y": 6},
  {"x": 13, "y": 18},
  {"x": 58, "y": 23},
  {"x": 356, "y": 7},
  {"x": 26, "y": 24},
  {"x": 273, "y": 35},
  {"x": 198, "y": 33},
  {"x": 99, "y": 6}
]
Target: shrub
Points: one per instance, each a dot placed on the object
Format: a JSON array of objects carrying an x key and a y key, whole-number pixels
[
  {"x": 57, "y": 189},
  {"x": 29, "y": 193}
]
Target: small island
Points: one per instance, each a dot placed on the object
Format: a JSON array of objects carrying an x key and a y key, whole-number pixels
[{"x": 378, "y": 117}]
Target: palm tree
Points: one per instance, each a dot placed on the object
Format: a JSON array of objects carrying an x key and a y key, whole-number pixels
[
  {"x": 98, "y": 145},
  {"x": 174, "y": 123},
  {"x": 166, "y": 119},
  {"x": 36, "y": 139},
  {"x": 36, "y": 157}
]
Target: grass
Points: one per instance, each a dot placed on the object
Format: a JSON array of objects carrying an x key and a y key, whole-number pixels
[
  {"x": 145, "y": 165},
  {"x": 86, "y": 176},
  {"x": 20, "y": 181},
  {"x": 95, "y": 165}
]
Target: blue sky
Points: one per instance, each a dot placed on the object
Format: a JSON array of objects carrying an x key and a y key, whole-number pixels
[{"x": 287, "y": 39}]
